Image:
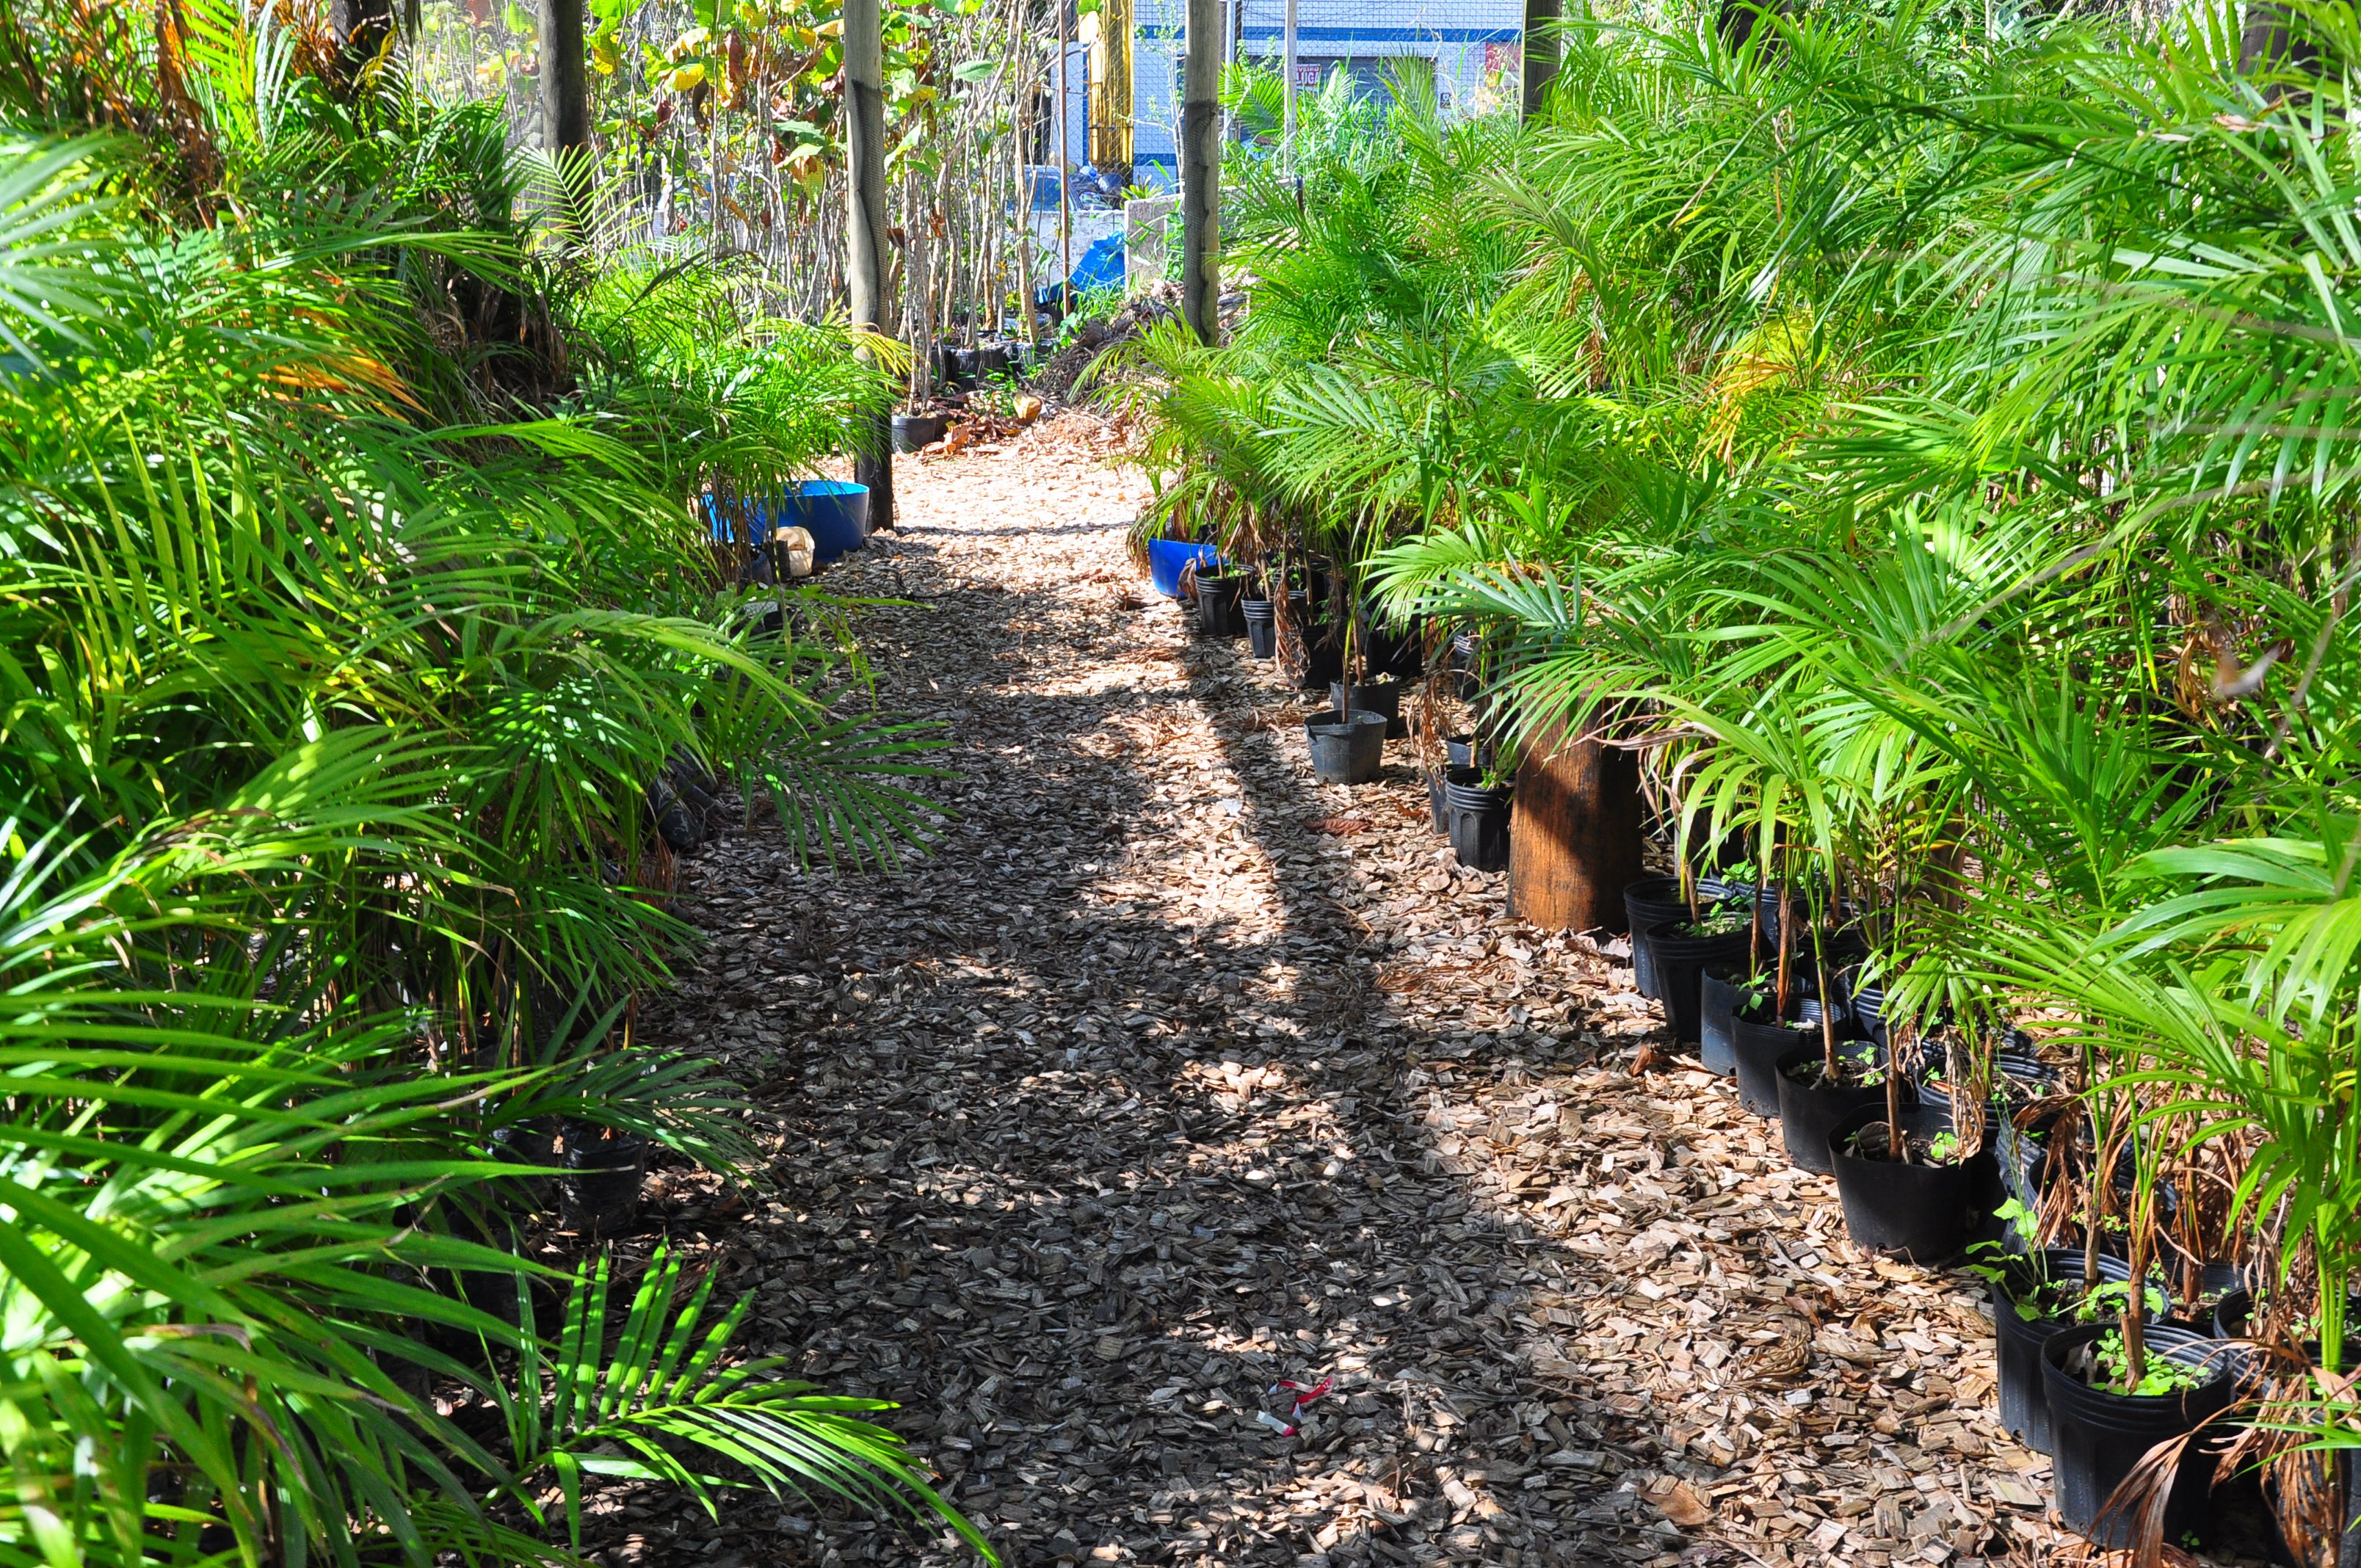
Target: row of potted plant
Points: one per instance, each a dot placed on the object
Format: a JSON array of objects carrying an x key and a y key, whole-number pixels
[{"x": 1468, "y": 795}]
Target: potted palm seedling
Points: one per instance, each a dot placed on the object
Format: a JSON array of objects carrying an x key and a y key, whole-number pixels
[
  {"x": 1347, "y": 744},
  {"x": 1907, "y": 1176},
  {"x": 1821, "y": 1084},
  {"x": 1476, "y": 803}
]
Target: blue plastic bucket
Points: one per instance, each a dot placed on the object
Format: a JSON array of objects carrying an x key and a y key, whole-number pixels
[
  {"x": 1168, "y": 558},
  {"x": 836, "y": 511}
]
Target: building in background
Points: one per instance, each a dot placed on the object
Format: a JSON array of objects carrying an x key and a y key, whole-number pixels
[{"x": 1475, "y": 45}]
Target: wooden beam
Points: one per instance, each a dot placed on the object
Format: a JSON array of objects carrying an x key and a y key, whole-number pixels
[
  {"x": 1574, "y": 842},
  {"x": 1201, "y": 172},
  {"x": 865, "y": 232}
]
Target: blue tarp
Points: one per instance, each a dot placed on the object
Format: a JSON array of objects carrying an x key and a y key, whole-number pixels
[{"x": 1100, "y": 268}]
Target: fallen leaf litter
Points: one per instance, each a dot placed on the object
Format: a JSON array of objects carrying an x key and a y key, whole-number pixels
[{"x": 1174, "y": 1078}]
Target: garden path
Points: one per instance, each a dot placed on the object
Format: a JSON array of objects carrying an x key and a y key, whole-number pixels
[{"x": 1173, "y": 1076}]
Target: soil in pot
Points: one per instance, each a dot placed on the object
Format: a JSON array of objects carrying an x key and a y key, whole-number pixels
[
  {"x": 1347, "y": 750},
  {"x": 1377, "y": 697},
  {"x": 2100, "y": 1430},
  {"x": 1758, "y": 1042},
  {"x": 1478, "y": 817},
  {"x": 1652, "y": 902},
  {"x": 1915, "y": 1208},
  {"x": 1680, "y": 950},
  {"x": 1261, "y": 628},
  {"x": 1812, "y": 1103},
  {"x": 2035, "y": 1295},
  {"x": 600, "y": 1193}
]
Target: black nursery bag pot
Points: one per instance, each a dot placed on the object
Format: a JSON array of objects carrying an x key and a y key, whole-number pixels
[
  {"x": 2097, "y": 1436},
  {"x": 1655, "y": 901},
  {"x": 1479, "y": 820},
  {"x": 1346, "y": 748},
  {"x": 1917, "y": 1210},
  {"x": 1680, "y": 960},
  {"x": 1373, "y": 696},
  {"x": 1261, "y": 627},
  {"x": 2017, "y": 1336},
  {"x": 1809, "y": 1112},
  {"x": 1757, "y": 1046},
  {"x": 1721, "y": 990}
]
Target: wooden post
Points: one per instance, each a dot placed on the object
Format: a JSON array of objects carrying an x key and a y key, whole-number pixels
[
  {"x": 566, "y": 110},
  {"x": 1201, "y": 172},
  {"x": 1540, "y": 52},
  {"x": 1575, "y": 842},
  {"x": 865, "y": 231}
]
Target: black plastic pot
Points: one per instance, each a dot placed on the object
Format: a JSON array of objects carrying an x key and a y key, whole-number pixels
[
  {"x": 1217, "y": 604},
  {"x": 1652, "y": 902},
  {"x": 1460, "y": 750},
  {"x": 1721, "y": 988},
  {"x": 1434, "y": 805},
  {"x": 2017, "y": 1339},
  {"x": 913, "y": 432},
  {"x": 2096, "y": 1437},
  {"x": 1918, "y": 1211},
  {"x": 1757, "y": 1047},
  {"x": 533, "y": 1143},
  {"x": 2342, "y": 1469},
  {"x": 1808, "y": 1114},
  {"x": 600, "y": 1193},
  {"x": 1479, "y": 818},
  {"x": 1401, "y": 654},
  {"x": 1318, "y": 660},
  {"x": 1680, "y": 961},
  {"x": 991, "y": 359},
  {"x": 1347, "y": 750},
  {"x": 1375, "y": 697},
  {"x": 2232, "y": 1318},
  {"x": 2019, "y": 1078},
  {"x": 1467, "y": 654},
  {"x": 1868, "y": 1008},
  {"x": 1262, "y": 629}
]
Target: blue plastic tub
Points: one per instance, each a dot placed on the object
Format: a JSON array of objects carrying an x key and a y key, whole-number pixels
[
  {"x": 836, "y": 511},
  {"x": 1166, "y": 558}
]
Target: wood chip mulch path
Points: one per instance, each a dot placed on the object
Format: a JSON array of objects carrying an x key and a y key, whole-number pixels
[{"x": 1173, "y": 1079}]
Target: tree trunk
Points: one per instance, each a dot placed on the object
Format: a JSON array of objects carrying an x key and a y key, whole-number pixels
[
  {"x": 1541, "y": 52},
  {"x": 1201, "y": 172},
  {"x": 566, "y": 109},
  {"x": 1575, "y": 845},
  {"x": 864, "y": 269}
]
